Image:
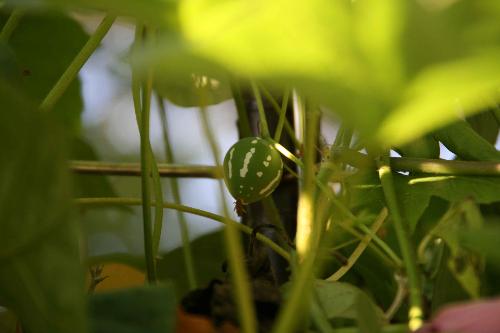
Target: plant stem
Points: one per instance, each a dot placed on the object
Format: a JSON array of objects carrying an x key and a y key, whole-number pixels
[
  {"x": 406, "y": 246},
  {"x": 307, "y": 235},
  {"x": 421, "y": 165},
  {"x": 360, "y": 248},
  {"x": 147, "y": 88},
  {"x": 234, "y": 249},
  {"x": 279, "y": 111},
  {"x": 243, "y": 124},
  {"x": 142, "y": 112},
  {"x": 324, "y": 175},
  {"x": 282, "y": 117},
  {"x": 11, "y": 24},
  {"x": 143, "y": 102},
  {"x": 146, "y": 197},
  {"x": 98, "y": 202},
  {"x": 134, "y": 169},
  {"x": 383, "y": 245},
  {"x": 72, "y": 71},
  {"x": 264, "y": 128},
  {"x": 169, "y": 157}
]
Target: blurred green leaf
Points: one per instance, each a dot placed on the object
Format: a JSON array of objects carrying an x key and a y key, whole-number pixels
[
  {"x": 423, "y": 147},
  {"x": 486, "y": 124},
  {"x": 461, "y": 139},
  {"x": 441, "y": 91},
  {"x": 44, "y": 45},
  {"x": 41, "y": 278},
  {"x": 483, "y": 240},
  {"x": 157, "y": 12},
  {"x": 9, "y": 68},
  {"x": 446, "y": 289},
  {"x": 414, "y": 193},
  {"x": 464, "y": 265},
  {"x": 379, "y": 27},
  {"x": 208, "y": 255},
  {"x": 150, "y": 309},
  {"x": 342, "y": 300},
  {"x": 8, "y": 321}
]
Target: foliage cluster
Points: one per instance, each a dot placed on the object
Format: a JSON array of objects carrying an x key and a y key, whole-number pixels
[{"x": 406, "y": 234}]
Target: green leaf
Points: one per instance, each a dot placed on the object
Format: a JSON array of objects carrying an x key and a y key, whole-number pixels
[
  {"x": 424, "y": 147},
  {"x": 461, "y": 139},
  {"x": 379, "y": 27},
  {"x": 9, "y": 68},
  {"x": 149, "y": 309},
  {"x": 445, "y": 287},
  {"x": 44, "y": 45},
  {"x": 41, "y": 278},
  {"x": 463, "y": 264},
  {"x": 486, "y": 124},
  {"x": 484, "y": 241},
  {"x": 343, "y": 300},
  {"x": 209, "y": 256},
  {"x": 158, "y": 12},
  {"x": 190, "y": 90},
  {"x": 415, "y": 192},
  {"x": 433, "y": 98},
  {"x": 8, "y": 321}
]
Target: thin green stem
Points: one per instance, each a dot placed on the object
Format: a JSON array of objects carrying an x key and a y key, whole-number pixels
[
  {"x": 336, "y": 202},
  {"x": 307, "y": 235},
  {"x": 11, "y": 24},
  {"x": 146, "y": 197},
  {"x": 141, "y": 93},
  {"x": 147, "y": 87},
  {"x": 360, "y": 248},
  {"x": 264, "y": 127},
  {"x": 382, "y": 255},
  {"x": 279, "y": 111},
  {"x": 142, "y": 116},
  {"x": 415, "y": 313},
  {"x": 234, "y": 249},
  {"x": 383, "y": 245},
  {"x": 174, "y": 185},
  {"x": 243, "y": 123},
  {"x": 106, "y": 202},
  {"x": 72, "y": 71},
  {"x": 399, "y": 298},
  {"x": 282, "y": 117}
]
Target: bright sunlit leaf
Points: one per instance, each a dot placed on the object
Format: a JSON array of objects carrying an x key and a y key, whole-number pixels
[{"x": 441, "y": 93}]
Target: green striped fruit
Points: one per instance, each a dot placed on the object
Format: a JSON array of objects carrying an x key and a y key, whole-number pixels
[{"x": 252, "y": 169}]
